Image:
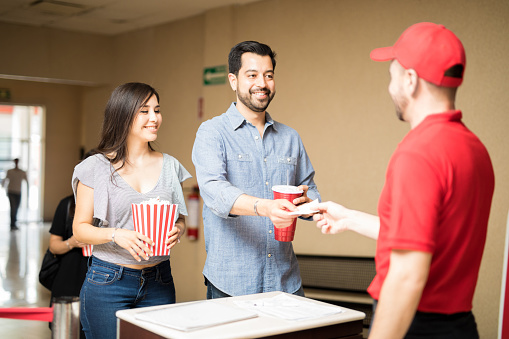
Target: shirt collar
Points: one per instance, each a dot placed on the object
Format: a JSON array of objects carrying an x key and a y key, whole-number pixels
[
  {"x": 452, "y": 115},
  {"x": 237, "y": 119}
]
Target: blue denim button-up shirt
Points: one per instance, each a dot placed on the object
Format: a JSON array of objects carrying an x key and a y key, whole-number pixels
[{"x": 231, "y": 159}]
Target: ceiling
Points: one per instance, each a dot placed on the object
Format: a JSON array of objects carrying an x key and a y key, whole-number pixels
[{"x": 105, "y": 17}]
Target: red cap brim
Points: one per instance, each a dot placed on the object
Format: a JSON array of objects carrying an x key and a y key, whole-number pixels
[{"x": 382, "y": 54}]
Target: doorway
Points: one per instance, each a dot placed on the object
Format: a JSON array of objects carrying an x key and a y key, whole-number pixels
[{"x": 21, "y": 136}]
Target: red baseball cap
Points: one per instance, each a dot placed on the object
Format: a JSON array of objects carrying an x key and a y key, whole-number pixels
[{"x": 429, "y": 49}]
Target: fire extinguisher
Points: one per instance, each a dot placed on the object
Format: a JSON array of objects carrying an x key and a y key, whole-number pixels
[{"x": 193, "y": 210}]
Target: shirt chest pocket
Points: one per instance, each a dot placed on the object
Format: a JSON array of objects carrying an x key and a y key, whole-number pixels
[
  {"x": 287, "y": 170},
  {"x": 240, "y": 170}
]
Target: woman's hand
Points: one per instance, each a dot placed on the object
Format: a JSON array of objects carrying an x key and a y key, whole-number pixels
[
  {"x": 75, "y": 243},
  {"x": 176, "y": 232},
  {"x": 136, "y": 243}
]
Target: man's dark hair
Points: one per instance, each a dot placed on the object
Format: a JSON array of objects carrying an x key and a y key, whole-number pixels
[{"x": 235, "y": 56}]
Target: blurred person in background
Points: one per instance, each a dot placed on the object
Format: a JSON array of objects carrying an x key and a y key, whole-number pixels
[
  {"x": 73, "y": 265},
  {"x": 14, "y": 179}
]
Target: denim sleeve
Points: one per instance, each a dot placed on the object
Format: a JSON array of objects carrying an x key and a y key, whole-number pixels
[{"x": 209, "y": 159}]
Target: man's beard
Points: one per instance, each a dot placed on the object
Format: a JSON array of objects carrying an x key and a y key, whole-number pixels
[
  {"x": 399, "y": 104},
  {"x": 254, "y": 104}
]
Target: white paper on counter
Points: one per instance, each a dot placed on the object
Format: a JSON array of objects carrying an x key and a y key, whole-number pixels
[
  {"x": 286, "y": 307},
  {"x": 195, "y": 315}
]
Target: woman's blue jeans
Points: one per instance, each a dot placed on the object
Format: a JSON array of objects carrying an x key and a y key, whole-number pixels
[{"x": 109, "y": 288}]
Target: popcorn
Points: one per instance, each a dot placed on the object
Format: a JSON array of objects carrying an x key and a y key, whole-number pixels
[
  {"x": 155, "y": 218},
  {"x": 87, "y": 250},
  {"x": 156, "y": 201}
]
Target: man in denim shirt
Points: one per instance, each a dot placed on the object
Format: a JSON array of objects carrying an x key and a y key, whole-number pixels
[{"x": 239, "y": 156}]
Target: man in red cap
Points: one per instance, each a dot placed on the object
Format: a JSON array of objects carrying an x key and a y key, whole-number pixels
[{"x": 434, "y": 208}]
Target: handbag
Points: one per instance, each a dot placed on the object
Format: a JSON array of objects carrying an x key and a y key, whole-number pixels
[
  {"x": 50, "y": 264},
  {"x": 49, "y": 269}
]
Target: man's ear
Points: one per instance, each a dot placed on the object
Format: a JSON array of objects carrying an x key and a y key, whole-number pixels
[
  {"x": 411, "y": 81},
  {"x": 233, "y": 81}
]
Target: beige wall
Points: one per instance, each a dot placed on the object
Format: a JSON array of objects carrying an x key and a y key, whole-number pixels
[
  {"x": 327, "y": 89},
  {"x": 52, "y": 53}
]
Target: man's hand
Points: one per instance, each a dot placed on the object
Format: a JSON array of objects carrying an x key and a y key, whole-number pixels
[
  {"x": 278, "y": 211},
  {"x": 304, "y": 198},
  {"x": 333, "y": 218}
]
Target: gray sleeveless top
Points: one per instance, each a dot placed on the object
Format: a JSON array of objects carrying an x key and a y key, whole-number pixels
[{"x": 113, "y": 198}]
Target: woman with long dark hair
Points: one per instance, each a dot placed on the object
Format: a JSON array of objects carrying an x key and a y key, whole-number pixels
[{"x": 123, "y": 272}]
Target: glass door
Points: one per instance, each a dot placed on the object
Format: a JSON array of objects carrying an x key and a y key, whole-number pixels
[{"x": 21, "y": 136}]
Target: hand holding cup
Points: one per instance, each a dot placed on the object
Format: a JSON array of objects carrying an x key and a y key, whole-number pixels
[
  {"x": 289, "y": 193},
  {"x": 278, "y": 212},
  {"x": 303, "y": 198}
]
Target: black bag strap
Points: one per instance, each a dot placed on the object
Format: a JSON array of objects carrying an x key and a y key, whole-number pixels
[
  {"x": 67, "y": 217},
  {"x": 68, "y": 208}
]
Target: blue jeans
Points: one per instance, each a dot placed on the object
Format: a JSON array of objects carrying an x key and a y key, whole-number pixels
[
  {"x": 109, "y": 288},
  {"x": 213, "y": 292}
]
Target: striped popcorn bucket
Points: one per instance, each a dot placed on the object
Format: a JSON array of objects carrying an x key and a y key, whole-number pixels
[
  {"x": 155, "y": 220},
  {"x": 87, "y": 250}
]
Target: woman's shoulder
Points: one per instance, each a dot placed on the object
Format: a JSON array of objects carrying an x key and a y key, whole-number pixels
[
  {"x": 91, "y": 169},
  {"x": 172, "y": 165},
  {"x": 94, "y": 160},
  {"x": 168, "y": 159}
]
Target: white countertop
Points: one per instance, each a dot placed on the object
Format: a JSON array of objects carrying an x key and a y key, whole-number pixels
[{"x": 263, "y": 325}]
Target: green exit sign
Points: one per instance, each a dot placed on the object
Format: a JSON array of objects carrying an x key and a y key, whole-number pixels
[
  {"x": 5, "y": 94},
  {"x": 214, "y": 75}
]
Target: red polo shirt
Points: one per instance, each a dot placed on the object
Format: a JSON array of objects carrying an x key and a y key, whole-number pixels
[{"x": 437, "y": 199}]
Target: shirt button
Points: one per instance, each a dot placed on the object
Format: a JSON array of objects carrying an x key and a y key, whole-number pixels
[
  {"x": 270, "y": 255},
  {"x": 270, "y": 232},
  {"x": 289, "y": 159},
  {"x": 240, "y": 156},
  {"x": 257, "y": 137},
  {"x": 265, "y": 159},
  {"x": 266, "y": 183}
]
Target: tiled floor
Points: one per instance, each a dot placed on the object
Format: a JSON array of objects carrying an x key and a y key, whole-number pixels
[{"x": 20, "y": 258}]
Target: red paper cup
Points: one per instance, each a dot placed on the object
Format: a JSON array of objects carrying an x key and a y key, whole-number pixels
[
  {"x": 87, "y": 250},
  {"x": 289, "y": 193},
  {"x": 155, "y": 220}
]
